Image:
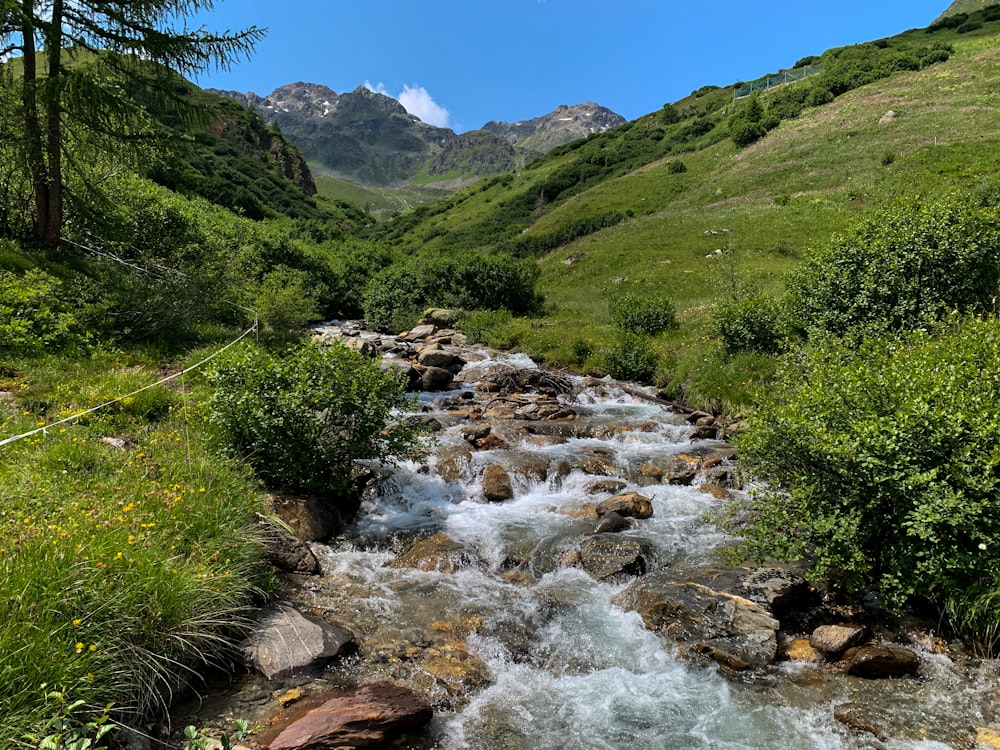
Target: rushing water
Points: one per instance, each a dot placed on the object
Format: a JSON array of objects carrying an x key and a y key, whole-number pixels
[{"x": 520, "y": 650}]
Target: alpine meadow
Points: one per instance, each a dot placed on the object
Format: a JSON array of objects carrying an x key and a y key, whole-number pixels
[{"x": 812, "y": 263}]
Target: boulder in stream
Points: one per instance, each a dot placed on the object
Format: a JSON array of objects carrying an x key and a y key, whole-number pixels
[
  {"x": 366, "y": 717},
  {"x": 286, "y": 642},
  {"x": 439, "y": 552},
  {"x": 733, "y": 631},
  {"x": 627, "y": 504},
  {"x": 611, "y": 557},
  {"x": 834, "y": 640},
  {"x": 496, "y": 484},
  {"x": 879, "y": 661}
]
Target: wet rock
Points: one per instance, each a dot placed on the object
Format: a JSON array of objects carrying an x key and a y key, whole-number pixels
[
  {"x": 286, "y": 642},
  {"x": 438, "y": 552},
  {"x": 628, "y": 504},
  {"x": 602, "y": 486},
  {"x": 834, "y": 640},
  {"x": 800, "y": 650},
  {"x": 365, "y": 347},
  {"x": 474, "y": 433},
  {"x": 704, "y": 432},
  {"x": 418, "y": 333},
  {"x": 733, "y": 631},
  {"x": 287, "y": 553},
  {"x": 610, "y": 523},
  {"x": 715, "y": 490},
  {"x": 437, "y": 357},
  {"x": 682, "y": 471},
  {"x": 530, "y": 467},
  {"x": 988, "y": 737},
  {"x": 406, "y": 371},
  {"x": 453, "y": 462},
  {"x": 696, "y": 416},
  {"x": 651, "y": 471},
  {"x": 861, "y": 719},
  {"x": 366, "y": 717},
  {"x": 311, "y": 519},
  {"x": 434, "y": 379},
  {"x": 780, "y": 590},
  {"x": 496, "y": 484},
  {"x": 596, "y": 465},
  {"x": 878, "y": 661},
  {"x": 610, "y": 557}
]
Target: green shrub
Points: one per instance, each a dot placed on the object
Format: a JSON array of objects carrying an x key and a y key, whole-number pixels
[
  {"x": 630, "y": 357},
  {"x": 904, "y": 266},
  {"x": 677, "y": 167},
  {"x": 637, "y": 313},
  {"x": 287, "y": 300},
  {"x": 33, "y": 317},
  {"x": 750, "y": 324},
  {"x": 484, "y": 326},
  {"x": 301, "y": 419},
  {"x": 883, "y": 452}
]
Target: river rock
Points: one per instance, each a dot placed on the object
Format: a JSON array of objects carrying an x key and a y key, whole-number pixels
[
  {"x": 780, "y": 590},
  {"x": 496, "y": 484},
  {"x": 606, "y": 485},
  {"x": 681, "y": 471},
  {"x": 438, "y": 552},
  {"x": 286, "y": 642},
  {"x": 610, "y": 523},
  {"x": 418, "y": 333},
  {"x": 453, "y": 462},
  {"x": 311, "y": 519},
  {"x": 628, "y": 504},
  {"x": 834, "y": 640},
  {"x": 434, "y": 379},
  {"x": 287, "y": 553},
  {"x": 438, "y": 357},
  {"x": 366, "y": 717},
  {"x": 440, "y": 317},
  {"x": 610, "y": 557},
  {"x": 733, "y": 631},
  {"x": 877, "y": 661}
]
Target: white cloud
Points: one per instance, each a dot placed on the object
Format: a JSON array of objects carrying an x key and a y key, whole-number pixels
[
  {"x": 419, "y": 102},
  {"x": 378, "y": 88}
]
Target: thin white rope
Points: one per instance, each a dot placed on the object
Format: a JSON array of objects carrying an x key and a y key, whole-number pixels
[{"x": 73, "y": 417}]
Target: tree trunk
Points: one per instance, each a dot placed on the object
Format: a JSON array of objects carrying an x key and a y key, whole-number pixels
[
  {"x": 32, "y": 124},
  {"x": 53, "y": 146}
]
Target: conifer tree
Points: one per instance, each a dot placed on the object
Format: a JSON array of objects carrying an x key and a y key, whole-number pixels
[{"x": 75, "y": 55}]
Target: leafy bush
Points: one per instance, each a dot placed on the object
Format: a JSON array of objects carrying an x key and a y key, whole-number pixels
[
  {"x": 906, "y": 265},
  {"x": 630, "y": 357},
  {"x": 287, "y": 300},
  {"x": 301, "y": 419},
  {"x": 677, "y": 167},
  {"x": 470, "y": 281},
  {"x": 636, "y": 313},
  {"x": 483, "y": 326},
  {"x": 32, "y": 315},
  {"x": 750, "y": 324},
  {"x": 884, "y": 453}
]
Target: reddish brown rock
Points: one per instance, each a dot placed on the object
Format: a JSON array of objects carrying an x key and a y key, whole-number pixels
[
  {"x": 496, "y": 484},
  {"x": 835, "y": 639},
  {"x": 876, "y": 662},
  {"x": 366, "y": 717}
]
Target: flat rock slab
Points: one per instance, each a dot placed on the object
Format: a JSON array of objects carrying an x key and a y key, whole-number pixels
[
  {"x": 877, "y": 662},
  {"x": 366, "y": 717},
  {"x": 286, "y": 642}
]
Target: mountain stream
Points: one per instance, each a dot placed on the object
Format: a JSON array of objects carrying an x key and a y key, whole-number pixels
[{"x": 518, "y": 642}]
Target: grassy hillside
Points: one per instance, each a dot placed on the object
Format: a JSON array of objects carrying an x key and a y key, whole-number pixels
[{"x": 917, "y": 132}]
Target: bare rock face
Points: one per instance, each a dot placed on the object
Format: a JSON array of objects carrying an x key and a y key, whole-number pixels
[
  {"x": 311, "y": 519},
  {"x": 288, "y": 553},
  {"x": 286, "y": 642},
  {"x": 628, "y": 504},
  {"x": 438, "y": 552},
  {"x": 733, "y": 631},
  {"x": 366, "y": 717}
]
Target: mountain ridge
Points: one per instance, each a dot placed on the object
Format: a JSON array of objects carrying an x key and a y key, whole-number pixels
[{"x": 369, "y": 138}]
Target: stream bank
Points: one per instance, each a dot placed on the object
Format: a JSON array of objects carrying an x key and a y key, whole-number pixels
[{"x": 548, "y": 578}]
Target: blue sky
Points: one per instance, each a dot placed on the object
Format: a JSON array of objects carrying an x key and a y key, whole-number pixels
[{"x": 461, "y": 63}]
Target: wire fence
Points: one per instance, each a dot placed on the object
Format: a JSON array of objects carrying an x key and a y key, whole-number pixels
[{"x": 779, "y": 79}]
